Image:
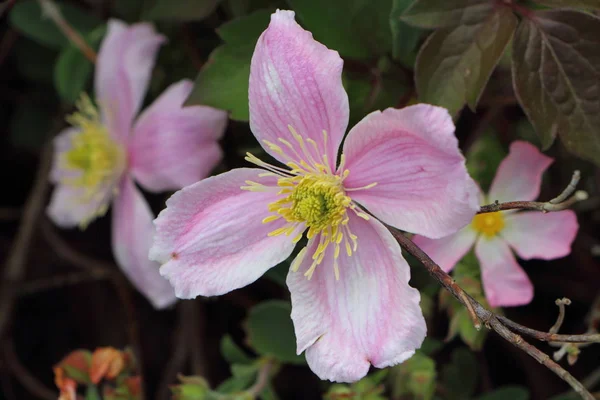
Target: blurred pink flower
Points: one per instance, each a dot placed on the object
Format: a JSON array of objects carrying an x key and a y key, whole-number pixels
[
  {"x": 351, "y": 302},
  {"x": 166, "y": 148},
  {"x": 531, "y": 234}
]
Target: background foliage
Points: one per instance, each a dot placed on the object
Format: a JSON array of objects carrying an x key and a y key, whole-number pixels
[{"x": 506, "y": 70}]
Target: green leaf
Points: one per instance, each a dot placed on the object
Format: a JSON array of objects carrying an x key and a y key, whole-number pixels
[
  {"x": 278, "y": 274},
  {"x": 417, "y": 377},
  {"x": 404, "y": 37},
  {"x": 271, "y": 333},
  {"x": 268, "y": 393},
  {"x": 26, "y": 16},
  {"x": 447, "y": 13},
  {"x": 223, "y": 81},
  {"x": 460, "y": 376},
  {"x": 591, "y": 4},
  {"x": 180, "y": 10},
  {"x": 556, "y": 65},
  {"x": 34, "y": 61},
  {"x": 232, "y": 352},
  {"x": 455, "y": 64},
  {"x": 92, "y": 393},
  {"x": 431, "y": 346},
  {"x": 243, "y": 377},
  {"x": 355, "y": 28},
  {"x": 72, "y": 70},
  {"x": 483, "y": 159},
  {"x": 512, "y": 392}
]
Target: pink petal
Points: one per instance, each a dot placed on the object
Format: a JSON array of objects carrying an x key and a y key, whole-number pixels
[
  {"x": 173, "y": 147},
  {"x": 123, "y": 70},
  {"x": 537, "y": 235},
  {"x": 504, "y": 281},
  {"x": 62, "y": 144},
  {"x": 132, "y": 233},
  {"x": 519, "y": 175},
  {"x": 412, "y": 154},
  {"x": 295, "y": 80},
  {"x": 369, "y": 316},
  {"x": 70, "y": 206},
  {"x": 211, "y": 238},
  {"x": 449, "y": 250}
]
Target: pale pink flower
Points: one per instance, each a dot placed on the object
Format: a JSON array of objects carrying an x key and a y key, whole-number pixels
[
  {"x": 166, "y": 148},
  {"x": 351, "y": 302},
  {"x": 531, "y": 234}
]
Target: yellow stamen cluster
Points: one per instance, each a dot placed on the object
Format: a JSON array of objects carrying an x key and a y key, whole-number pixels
[
  {"x": 488, "y": 224},
  {"x": 313, "y": 198},
  {"x": 94, "y": 157}
]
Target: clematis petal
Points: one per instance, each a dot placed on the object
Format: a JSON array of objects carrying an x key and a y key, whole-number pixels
[
  {"x": 504, "y": 281},
  {"x": 72, "y": 206},
  {"x": 173, "y": 147},
  {"x": 537, "y": 235},
  {"x": 211, "y": 239},
  {"x": 422, "y": 185},
  {"x": 132, "y": 233},
  {"x": 519, "y": 175},
  {"x": 297, "y": 81},
  {"x": 123, "y": 69},
  {"x": 61, "y": 144},
  {"x": 447, "y": 251},
  {"x": 369, "y": 316}
]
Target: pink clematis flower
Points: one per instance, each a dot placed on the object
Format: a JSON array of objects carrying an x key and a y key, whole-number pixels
[
  {"x": 351, "y": 302},
  {"x": 166, "y": 148},
  {"x": 531, "y": 234}
]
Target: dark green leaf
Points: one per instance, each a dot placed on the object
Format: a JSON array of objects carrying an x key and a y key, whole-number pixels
[
  {"x": 416, "y": 376},
  {"x": 431, "y": 346},
  {"x": 460, "y": 376},
  {"x": 505, "y": 393},
  {"x": 26, "y": 16},
  {"x": 455, "y": 64},
  {"x": 355, "y": 28},
  {"x": 232, "y": 352},
  {"x": 278, "y": 274},
  {"x": 591, "y": 4},
  {"x": 268, "y": 393},
  {"x": 180, "y": 10},
  {"x": 72, "y": 70},
  {"x": 266, "y": 319},
  {"x": 34, "y": 61},
  {"x": 243, "y": 377},
  {"x": 556, "y": 69},
  {"x": 223, "y": 81},
  {"x": 404, "y": 37},
  {"x": 447, "y": 13},
  {"x": 483, "y": 159}
]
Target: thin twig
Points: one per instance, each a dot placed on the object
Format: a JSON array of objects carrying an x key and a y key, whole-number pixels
[
  {"x": 550, "y": 337},
  {"x": 14, "y": 269},
  {"x": 559, "y": 203},
  {"x": 193, "y": 312},
  {"x": 179, "y": 355},
  {"x": 561, "y": 303},
  {"x": 56, "y": 282},
  {"x": 29, "y": 382},
  {"x": 262, "y": 380},
  {"x": 51, "y": 10},
  {"x": 490, "y": 319}
]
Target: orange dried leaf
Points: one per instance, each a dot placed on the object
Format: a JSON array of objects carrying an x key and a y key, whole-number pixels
[{"x": 106, "y": 362}]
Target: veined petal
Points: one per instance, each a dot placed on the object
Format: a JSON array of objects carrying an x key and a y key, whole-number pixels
[
  {"x": 412, "y": 154},
  {"x": 211, "y": 238},
  {"x": 173, "y": 147},
  {"x": 297, "y": 81},
  {"x": 519, "y": 175},
  {"x": 539, "y": 235},
  {"x": 504, "y": 281},
  {"x": 369, "y": 316},
  {"x": 447, "y": 251},
  {"x": 132, "y": 233},
  {"x": 123, "y": 69}
]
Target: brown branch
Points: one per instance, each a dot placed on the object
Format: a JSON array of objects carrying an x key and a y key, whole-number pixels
[
  {"x": 55, "y": 282},
  {"x": 550, "y": 337},
  {"x": 491, "y": 320},
  {"x": 561, "y": 303},
  {"x": 559, "y": 203},
  {"x": 29, "y": 382},
  {"x": 14, "y": 269},
  {"x": 51, "y": 10}
]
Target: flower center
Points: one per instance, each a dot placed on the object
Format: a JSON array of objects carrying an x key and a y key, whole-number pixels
[
  {"x": 94, "y": 159},
  {"x": 313, "y": 198},
  {"x": 488, "y": 224}
]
